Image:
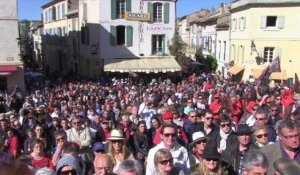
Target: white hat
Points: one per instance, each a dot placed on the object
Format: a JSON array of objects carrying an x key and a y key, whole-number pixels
[
  {"x": 116, "y": 135},
  {"x": 197, "y": 136}
]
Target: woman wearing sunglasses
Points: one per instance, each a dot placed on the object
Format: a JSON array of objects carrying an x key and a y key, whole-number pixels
[
  {"x": 260, "y": 135},
  {"x": 211, "y": 163},
  {"x": 163, "y": 162},
  {"x": 117, "y": 149}
]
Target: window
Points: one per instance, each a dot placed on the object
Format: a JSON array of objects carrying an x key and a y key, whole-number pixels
[
  {"x": 242, "y": 50},
  {"x": 224, "y": 55},
  {"x": 63, "y": 11},
  {"x": 120, "y": 9},
  {"x": 268, "y": 54},
  {"x": 46, "y": 16},
  {"x": 220, "y": 48},
  {"x": 157, "y": 12},
  {"x": 233, "y": 51},
  {"x": 158, "y": 44},
  {"x": 120, "y": 35},
  {"x": 58, "y": 12},
  {"x": 271, "y": 21}
]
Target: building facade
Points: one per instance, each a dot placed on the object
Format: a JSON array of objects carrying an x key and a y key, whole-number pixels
[
  {"x": 55, "y": 45},
  {"x": 11, "y": 66},
  {"x": 36, "y": 33},
  {"x": 260, "y": 32}
]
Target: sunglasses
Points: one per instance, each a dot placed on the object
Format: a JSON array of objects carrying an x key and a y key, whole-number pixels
[
  {"x": 254, "y": 109},
  {"x": 260, "y": 119},
  {"x": 210, "y": 159},
  {"x": 225, "y": 124},
  {"x": 273, "y": 110},
  {"x": 193, "y": 116},
  {"x": 200, "y": 142},
  {"x": 170, "y": 134},
  {"x": 60, "y": 139},
  {"x": 116, "y": 141},
  {"x": 278, "y": 98},
  {"x": 209, "y": 118},
  {"x": 261, "y": 135},
  {"x": 104, "y": 123},
  {"x": 76, "y": 123},
  {"x": 165, "y": 162}
]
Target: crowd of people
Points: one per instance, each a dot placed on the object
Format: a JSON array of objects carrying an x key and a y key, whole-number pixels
[{"x": 201, "y": 125}]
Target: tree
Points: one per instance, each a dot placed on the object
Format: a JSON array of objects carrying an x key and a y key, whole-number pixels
[
  {"x": 199, "y": 56},
  {"x": 211, "y": 63},
  {"x": 177, "y": 46}
]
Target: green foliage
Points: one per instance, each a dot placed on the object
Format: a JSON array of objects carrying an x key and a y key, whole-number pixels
[
  {"x": 177, "y": 46},
  {"x": 211, "y": 62},
  {"x": 199, "y": 56}
]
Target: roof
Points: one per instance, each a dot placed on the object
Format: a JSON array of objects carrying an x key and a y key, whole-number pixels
[{"x": 51, "y": 3}]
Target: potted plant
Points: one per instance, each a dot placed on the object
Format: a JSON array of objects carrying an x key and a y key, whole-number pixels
[{"x": 259, "y": 60}]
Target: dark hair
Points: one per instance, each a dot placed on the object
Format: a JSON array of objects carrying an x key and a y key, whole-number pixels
[
  {"x": 287, "y": 124},
  {"x": 38, "y": 142},
  {"x": 225, "y": 118},
  {"x": 70, "y": 147},
  {"x": 168, "y": 126},
  {"x": 59, "y": 133}
]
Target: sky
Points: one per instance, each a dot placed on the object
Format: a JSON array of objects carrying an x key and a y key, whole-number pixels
[{"x": 31, "y": 9}]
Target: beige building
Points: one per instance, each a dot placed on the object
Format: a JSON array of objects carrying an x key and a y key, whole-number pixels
[
  {"x": 55, "y": 38},
  {"x": 11, "y": 66},
  {"x": 36, "y": 33},
  {"x": 260, "y": 32}
]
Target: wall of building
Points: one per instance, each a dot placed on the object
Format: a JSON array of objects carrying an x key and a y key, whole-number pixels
[{"x": 222, "y": 50}]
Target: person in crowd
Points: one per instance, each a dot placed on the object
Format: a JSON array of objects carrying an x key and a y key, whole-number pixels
[
  {"x": 284, "y": 166},
  {"x": 130, "y": 167},
  {"x": 235, "y": 153},
  {"x": 177, "y": 118},
  {"x": 127, "y": 127},
  {"x": 237, "y": 108},
  {"x": 197, "y": 147},
  {"x": 201, "y": 102},
  {"x": 68, "y": 164},
  {"x": 118, "y": 149},
  {"x": 180, "y": 154},
  {"x": 155, "y": 128},
  {"x": 103, "y": 132},
  {"x": 45, "y": 171},
  {"x": 190, "y": 124},
  {"x": 287, "y": 147},
  {"x": 164, "y": 165},
  {"x": 292, "y": 107},
  {"x": 207, "y": 126},
  {"x": 38, "y": 157},
  {"x": 250, "y": 119},
  {"x": 98, "y": 148},
  {"x": 255, "y": 162},
  {"x": 60, "y": 141},
  {"x": 216, "y": 106},
  {"x": 12, "y": 143},
  {"x": 30, "y": 137},
  {"x": 226, "y": 136},
  {"x": 41, "y": 134},
  {"x": 260, "y": 134},
  {"x": 140, "y": 141},
  {"x": 64, "y": 123},
  {"x": 261, "y": 119},
  {"x": 103, "y": 165},
  {"x": 273, "y": 115},
  {"x": 211, "y": 163},
  {"x": 189, "y": 106},
  {"x": 82, "y": 137}
]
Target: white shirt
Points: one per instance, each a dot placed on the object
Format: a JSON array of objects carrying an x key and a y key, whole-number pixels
[{"x": 179, "y": 154}]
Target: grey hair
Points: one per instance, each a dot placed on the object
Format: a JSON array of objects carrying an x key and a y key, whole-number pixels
[
  {"x": 45, "y": 171},
  {"x": 288, "y": 125},
  {"x": 130, "y": 166},
  {"x": 254, "y": 158}
]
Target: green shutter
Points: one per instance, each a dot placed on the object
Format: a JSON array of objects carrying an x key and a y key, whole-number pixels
[
  {"x": 113, "y": 35},
  {"x": 150, "y": 10},
  {"x": 128, "y": 5},
  {"x": 166, "y": 12},
  {"x": 113, "y": 9},
  {"x": 129, "y": 35}
]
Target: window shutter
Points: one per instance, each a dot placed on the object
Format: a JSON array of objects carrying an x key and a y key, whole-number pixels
[
  {"x": 84, "y": 18},
  {"x": 113, "y": 9},
  {"x": 244, "y": 27},
  {"x": 129, "y": 35},
  {"x": 128, "y": 5},
  {"x": 113, "y": 35},
  {"x": 280, "y": 22},
  {"x": 263, "y": 23},
  {"x": 166, "y": 12},
  {"x": 164, "y": 44},
  {"x": 150, "y": 10}
]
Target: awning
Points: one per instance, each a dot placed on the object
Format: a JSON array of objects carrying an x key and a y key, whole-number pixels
[
  {"x": 256, "y": 73},
  {"x": 147, "y": 65},
  {"x": 278, "y": 75},
  {"x": 6, "y": 70},
  {"x": 235, "y": 69}
]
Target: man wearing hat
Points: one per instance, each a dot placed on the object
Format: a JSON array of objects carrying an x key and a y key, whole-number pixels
[
  {"x": 234, "y": 154},
  {"x": 287, "y": 147}
]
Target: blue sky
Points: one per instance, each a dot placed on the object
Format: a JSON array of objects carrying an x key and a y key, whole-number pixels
[{"x": 31, "y": 9}]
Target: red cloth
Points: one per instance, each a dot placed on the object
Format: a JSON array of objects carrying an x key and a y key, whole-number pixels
[
  {"x": 237, "y": 112},
  {"x": 250, "y": 105},
  {"x": 106, "y": 133},
  {"x": 14, "y": 146},
  {"x": 215, "y": 107},
  {"x": 45, "y": 162},
  {"x": 287, "y": 100}
]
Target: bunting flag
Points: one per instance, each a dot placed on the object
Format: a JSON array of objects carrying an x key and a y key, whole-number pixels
[
  {"x": 263, "y": 78},
  {"x": 132, "y": 74},
  {"x": 275, "y": 65},
  {"x": 296, "y": 84}
]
